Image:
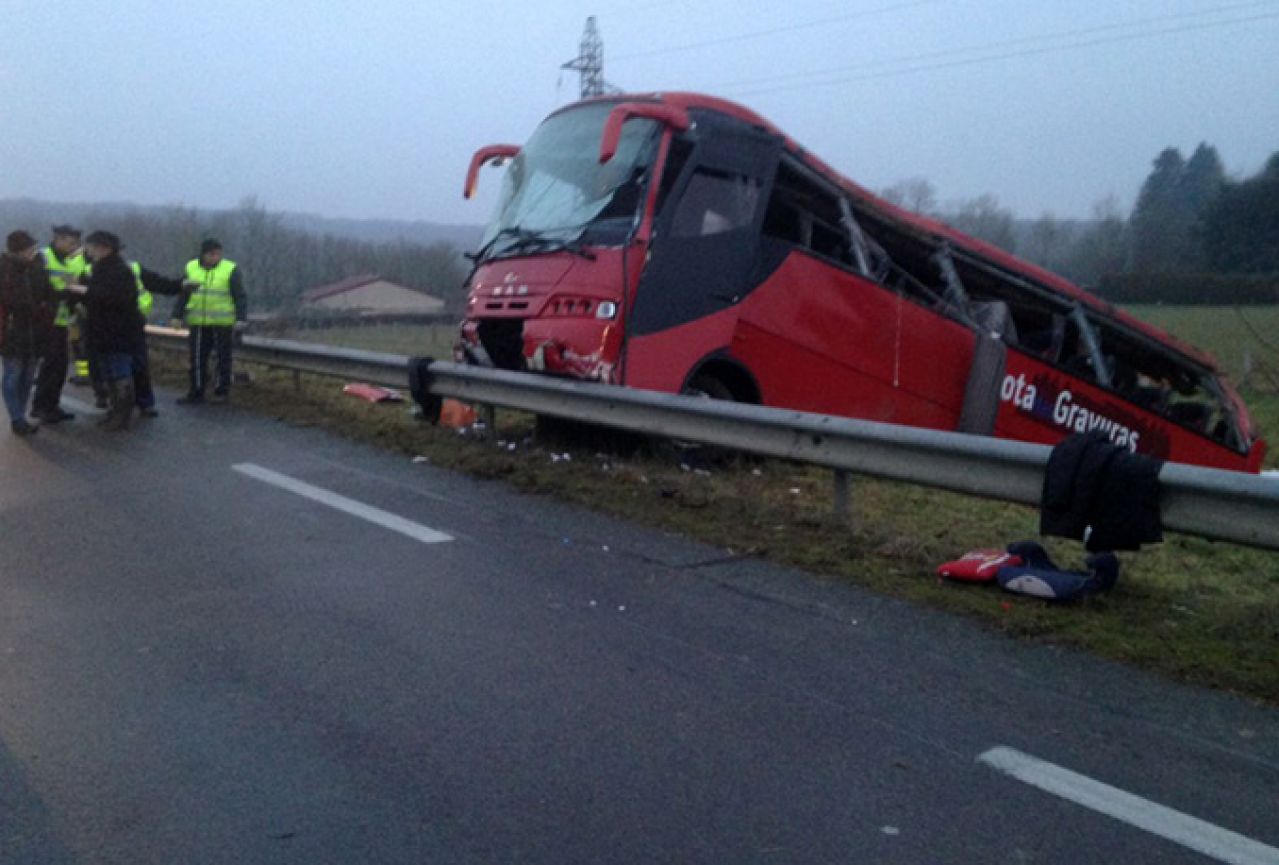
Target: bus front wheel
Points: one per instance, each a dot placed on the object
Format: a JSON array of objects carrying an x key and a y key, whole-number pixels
[{"x": 709, "y": 387}]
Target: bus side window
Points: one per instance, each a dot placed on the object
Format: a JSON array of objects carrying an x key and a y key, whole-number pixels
[
  {"x": 676, "y": 159},
  {"x": 714, "y": 203}
]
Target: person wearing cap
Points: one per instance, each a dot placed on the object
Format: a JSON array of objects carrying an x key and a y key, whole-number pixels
[
  {"x": 27, "y": 309},
  {"x": 214, "y": 308},
  {"x": 111, "y": 298},
  {"x": 66, "y": 265}
]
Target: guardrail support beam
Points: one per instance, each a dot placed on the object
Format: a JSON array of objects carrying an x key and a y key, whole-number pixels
[{"x": 843, "y": 495}]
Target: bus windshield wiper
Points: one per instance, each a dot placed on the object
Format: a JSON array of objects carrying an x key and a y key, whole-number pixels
[
  {"x": 511, "y": 231},
  {"x": 530, "y": 241}
]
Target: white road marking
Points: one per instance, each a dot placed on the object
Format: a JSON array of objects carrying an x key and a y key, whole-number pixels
[
  {"x": 374, "y": 515},
  {"x": 1198, "y": 835}
]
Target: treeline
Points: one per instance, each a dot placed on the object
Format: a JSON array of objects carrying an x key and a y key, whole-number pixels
[
  {"x": 279, "y": 262},
  {"x": 1195, "y": 236}
]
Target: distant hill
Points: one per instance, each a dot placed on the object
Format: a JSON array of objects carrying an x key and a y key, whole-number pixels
[
  {"x": 37, "y": 216},
  {"x": 464, "y": 237}
]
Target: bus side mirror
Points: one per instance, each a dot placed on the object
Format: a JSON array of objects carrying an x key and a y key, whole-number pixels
[
  {"x": 493, "y": 153},
  {"x": 676, "y": 118}
]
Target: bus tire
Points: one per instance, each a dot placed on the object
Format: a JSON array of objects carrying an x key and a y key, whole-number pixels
[{"x": 708, "y": 386}]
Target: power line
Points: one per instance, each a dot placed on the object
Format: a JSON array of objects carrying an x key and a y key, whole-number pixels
[
  {"x": 953, "y": 52},
  {"x": 1029, "y": 52},
  {"x": 787, "y": 28}
]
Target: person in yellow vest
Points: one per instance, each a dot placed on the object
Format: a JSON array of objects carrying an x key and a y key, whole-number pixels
[
  {"x": 66, "y": 265},
  {"x": 214, "y": 307}
]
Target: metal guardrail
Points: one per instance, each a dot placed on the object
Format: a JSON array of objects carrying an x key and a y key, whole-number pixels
[{"x": 1214, "y": 504}]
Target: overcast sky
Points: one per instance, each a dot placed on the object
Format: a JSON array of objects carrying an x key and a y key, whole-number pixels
[{"x": 372, "y": 109}]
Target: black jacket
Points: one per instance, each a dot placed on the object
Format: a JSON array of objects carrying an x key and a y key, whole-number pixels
[
  {"x": 27, "y": 307},
  {"x": 112, "y": 301},
  {"x": 1101, "y": 493}
]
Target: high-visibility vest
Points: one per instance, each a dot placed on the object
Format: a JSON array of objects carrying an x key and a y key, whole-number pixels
[
  {"x": 211, "y": 303},
  {"x": 145, "y": 300},
  {"x": 61, "y": 274}
]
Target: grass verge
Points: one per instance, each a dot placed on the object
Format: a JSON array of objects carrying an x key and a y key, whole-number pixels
[{"x": 1197, "y": 611}]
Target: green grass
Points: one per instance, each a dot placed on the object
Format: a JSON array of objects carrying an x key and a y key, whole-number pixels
[
  {"x": 426, "y": 340},
  {"x": 1194, "y": 610},
  {"x": 1235, "y": 337}
]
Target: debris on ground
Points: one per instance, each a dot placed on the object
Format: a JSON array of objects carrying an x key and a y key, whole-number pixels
[
  {"x": 421, "y": 459},
  {"x": 457, "y": 415},
  {"x": 373, "y": 393}
]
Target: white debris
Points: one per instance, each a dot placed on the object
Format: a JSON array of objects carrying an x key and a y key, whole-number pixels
[
  {"x": 794, "y": 491},
  {"x": 622, "y": 608},
  {"x": 421, "y": 459},
  {"x": 890, "y": 830}
]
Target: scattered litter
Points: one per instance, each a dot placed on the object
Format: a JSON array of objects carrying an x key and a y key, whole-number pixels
[
  {"x": 890, "y": 830},
  {"x": 501, "y": 443},
  {"x": 594, "y": 603},
  {"x": 373, "y": 393},
  {"x": 511, "y": 446},
  {"x": 684, "y": 467},
  {"x": 561, "y": 458},
  {"x": 621, "y": 608},
  {"x": 757, "y": 473},
  {"x": 794, "y": 491},
  {"x": 702, "y": 473},
  {"x": 421, "y": 459},
  {"x": 604, "y": 548},
  {"x": 568, "y": 542}
]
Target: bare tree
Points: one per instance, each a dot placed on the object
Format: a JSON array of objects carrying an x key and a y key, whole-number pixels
[{"x": 916, "y": 194}]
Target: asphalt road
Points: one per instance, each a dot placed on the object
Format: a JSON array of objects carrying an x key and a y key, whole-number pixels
[{"x": 199, "y": 665}]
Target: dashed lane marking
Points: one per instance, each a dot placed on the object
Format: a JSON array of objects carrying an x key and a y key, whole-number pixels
[
  {"x": 1198, "y": 835},
  {"x": 377, "y": 516}
]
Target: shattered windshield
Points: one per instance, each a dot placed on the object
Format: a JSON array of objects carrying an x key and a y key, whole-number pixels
[{"x": 556, "y": 192}]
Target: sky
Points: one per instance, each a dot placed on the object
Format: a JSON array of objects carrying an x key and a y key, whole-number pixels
[{"x": 372, "y": 109}]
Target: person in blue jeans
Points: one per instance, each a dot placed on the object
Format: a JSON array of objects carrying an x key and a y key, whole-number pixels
[{"x": 27, "y": 308}]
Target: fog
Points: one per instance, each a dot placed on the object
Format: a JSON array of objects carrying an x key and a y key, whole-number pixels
[{"x": 372, "y": 110}]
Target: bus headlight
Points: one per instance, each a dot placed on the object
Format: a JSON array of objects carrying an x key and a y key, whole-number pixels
[{"x": 606, "y": 310}]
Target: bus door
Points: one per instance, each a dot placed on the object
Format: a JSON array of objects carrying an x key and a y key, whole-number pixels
[{"x": 704, "y": 248}]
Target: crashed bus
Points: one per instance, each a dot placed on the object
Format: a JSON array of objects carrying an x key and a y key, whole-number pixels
[{"x": 681, "y": 243}]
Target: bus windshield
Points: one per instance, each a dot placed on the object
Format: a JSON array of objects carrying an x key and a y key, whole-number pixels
[{"x": 556, "y": 191}]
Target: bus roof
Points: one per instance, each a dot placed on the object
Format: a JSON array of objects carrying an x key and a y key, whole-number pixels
[{"x": 992, "y": 254}]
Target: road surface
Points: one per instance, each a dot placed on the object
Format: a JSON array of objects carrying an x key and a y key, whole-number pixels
[{"x": 223, "y": 639}]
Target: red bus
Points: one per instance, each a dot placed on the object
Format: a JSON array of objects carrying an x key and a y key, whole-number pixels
[{"x": 681, "y": 243}]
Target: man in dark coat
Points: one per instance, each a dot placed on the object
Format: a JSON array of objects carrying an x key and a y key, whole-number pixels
[
  {"x": 111, "y": 298},
  {"x": 27, "y": 306}
]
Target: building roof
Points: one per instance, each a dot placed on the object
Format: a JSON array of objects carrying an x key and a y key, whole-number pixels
[{"x": 342, "y": 285}]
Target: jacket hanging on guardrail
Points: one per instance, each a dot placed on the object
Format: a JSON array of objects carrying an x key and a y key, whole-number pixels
[{"x": 1101, "y": 493}]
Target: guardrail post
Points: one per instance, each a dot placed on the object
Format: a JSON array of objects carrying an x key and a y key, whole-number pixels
[
  {"x": 489, "y": 414},
  {"x": 843, "y": 494}
]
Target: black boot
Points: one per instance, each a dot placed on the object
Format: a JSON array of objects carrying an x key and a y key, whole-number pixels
[{"x": 120, "y": 411}]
